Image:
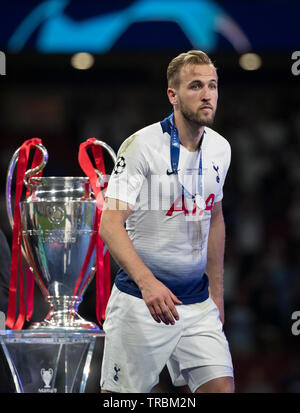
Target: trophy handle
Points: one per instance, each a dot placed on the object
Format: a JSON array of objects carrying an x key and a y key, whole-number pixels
[
  {"x": 112, "y": 154},
  {"x": 9, "y": 177},
  {"x": 101, "y": 179},
  {"x": 108, "y": 148},
  {"x": 10, "y": 173},
  {"x": 38, "y": 168}
]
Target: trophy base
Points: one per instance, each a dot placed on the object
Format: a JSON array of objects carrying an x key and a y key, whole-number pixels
[{"x": 63, "y": 315}]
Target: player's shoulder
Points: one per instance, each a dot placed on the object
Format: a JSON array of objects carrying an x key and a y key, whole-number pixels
[
  {"x": 216, "y": 138},
  {"x": 142, "y": 138},
  {"x": 148, "y": 133}
]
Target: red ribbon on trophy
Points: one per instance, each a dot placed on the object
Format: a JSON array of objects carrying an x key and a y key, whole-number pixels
[
  {"x": 17, "y": 276},
  {"x": 102, "y": 263}
]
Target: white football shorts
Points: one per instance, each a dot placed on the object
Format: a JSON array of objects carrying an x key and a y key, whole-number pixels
[{"x": 137, "y": 348}]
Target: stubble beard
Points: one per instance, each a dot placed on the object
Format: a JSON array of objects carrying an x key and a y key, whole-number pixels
[{"x": 196, "y": 117}]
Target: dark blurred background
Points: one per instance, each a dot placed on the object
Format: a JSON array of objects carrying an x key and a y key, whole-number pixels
[{"x": 44, "y": 94}]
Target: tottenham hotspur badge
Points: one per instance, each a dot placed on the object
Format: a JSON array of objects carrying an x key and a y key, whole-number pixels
[
  {"x": 216, "y": 168},
  {"x": 116, "y": 369},
  {"x": 120, "y": 165}
]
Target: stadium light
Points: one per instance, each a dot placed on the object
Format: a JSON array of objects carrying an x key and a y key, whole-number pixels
[
  {"x": 82, "y": 61},
  {"x": 250, "y": 61}
]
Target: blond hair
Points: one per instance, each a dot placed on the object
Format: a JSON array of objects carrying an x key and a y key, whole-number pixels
[{"x": 192, "y": 57}]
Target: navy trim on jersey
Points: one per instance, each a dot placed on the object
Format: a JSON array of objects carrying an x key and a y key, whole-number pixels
[
  {"x": 166, "y": 126},
  {"x": 192, "y": 292}
]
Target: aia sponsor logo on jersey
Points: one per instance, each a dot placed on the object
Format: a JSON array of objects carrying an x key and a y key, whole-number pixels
[{"x": 181, "y": 204}]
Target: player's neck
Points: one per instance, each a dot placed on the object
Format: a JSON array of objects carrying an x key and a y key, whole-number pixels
[{"x": 189, "y": 133}]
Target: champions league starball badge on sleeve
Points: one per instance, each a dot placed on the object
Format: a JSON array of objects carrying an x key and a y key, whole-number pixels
[
  {"x": 119, "y": 166},
  {"x": 56, "y": 229}
]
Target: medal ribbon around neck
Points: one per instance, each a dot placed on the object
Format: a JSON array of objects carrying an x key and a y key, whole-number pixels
[{"x": 174, "y": 155}]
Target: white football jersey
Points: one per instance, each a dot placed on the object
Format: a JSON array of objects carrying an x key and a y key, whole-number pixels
[{"x": 168, "y": 229}]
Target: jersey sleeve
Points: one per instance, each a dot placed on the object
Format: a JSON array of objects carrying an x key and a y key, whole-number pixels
[
  {"x": 130, "y": 170},
  {"x": 225, "y": 167}
]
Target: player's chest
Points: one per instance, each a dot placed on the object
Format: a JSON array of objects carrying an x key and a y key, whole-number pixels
[{"x": 192, "y": 174}]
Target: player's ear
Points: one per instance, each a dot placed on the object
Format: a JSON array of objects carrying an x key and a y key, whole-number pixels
[{"x": 172, "y": 95}]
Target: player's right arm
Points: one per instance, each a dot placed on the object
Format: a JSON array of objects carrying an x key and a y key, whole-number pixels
[{"x": 158, "y": 298}]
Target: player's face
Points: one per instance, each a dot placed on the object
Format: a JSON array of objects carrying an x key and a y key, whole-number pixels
[{"x": 197, "y": 94}]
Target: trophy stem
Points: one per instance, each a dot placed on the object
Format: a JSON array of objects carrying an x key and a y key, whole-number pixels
[{"x": 63, "y": 314}]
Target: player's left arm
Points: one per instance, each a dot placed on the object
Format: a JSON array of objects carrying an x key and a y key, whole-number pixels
[{"x": 215, "y": 257}]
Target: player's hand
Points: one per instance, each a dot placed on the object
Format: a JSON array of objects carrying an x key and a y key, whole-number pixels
[{"x": 160, "y": 302}]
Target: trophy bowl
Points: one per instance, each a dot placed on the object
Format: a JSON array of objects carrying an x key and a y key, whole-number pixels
[{"x": 57, "y": 227}]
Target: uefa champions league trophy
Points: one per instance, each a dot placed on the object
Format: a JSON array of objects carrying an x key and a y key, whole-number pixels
[{"x": 57, "y": 226}]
